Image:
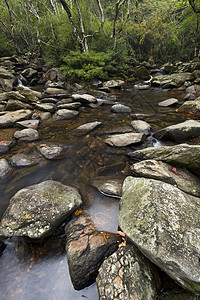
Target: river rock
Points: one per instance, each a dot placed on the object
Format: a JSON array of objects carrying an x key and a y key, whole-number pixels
[
  {"x": 72, "y": 105},
  {"x": 5, "y": 170},
  {"x": 5, "y": 146},
  {"x": 183, "y": 155},
  {"x": 88, "y": 126},
  {"x": 36, "y": 211},
  {"x": 56, "y": 91},
  {"x": 179, "y": 177},
  {"x": 51, "y": 151},
  {"x": 45, "y": 107},
  {"x": 168, "y": 102},
  {"x": 176, "y": 293},
  {"x": 30, "y": 94},
  {"x": 127, "y": 274},
  {"x": 45, "y": 115},
  {"x": 172, "y": 80},
  {"x": 180, "y": 132},
  {"x": 16, "y": 104},
  {"x": 191, "y": 89},
  {"x": 191, "y": 107},
  {"x": 28, "y": 134},
  {"x": 6, "y": 85},
  {"x": 10, "y": 118},
  {"x": 28, "y": 124},
  {"x": 120, "y": 108},
  {"x": 5, "y": 74},
  {"x": 85, "y": 98},
  {"x": 15, "y": 95},
  {"x": 86, "y": 249},
  {"x": 49, "y": 100},
  {"x": 125, "y": 139},
  {"x": 24, "y": 160},
  {"x": 189, "y": 97},
  {"x": 29, "y": 73},
  {"x": 113, "y": 84},
  {"x": 163, "y": 222},
  {"x": 141, "y": 126},
  {"x": 110, "y": 187},
  {"x": 65, "y": 114}
]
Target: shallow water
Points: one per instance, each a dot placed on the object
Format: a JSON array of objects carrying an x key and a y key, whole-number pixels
[{"x": 38, "y": 270}]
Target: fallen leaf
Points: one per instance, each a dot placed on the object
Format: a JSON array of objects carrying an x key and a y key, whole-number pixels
[
  {"x": 3, "y": 141},
  {"x": 175, "y": 171},
  {"x": 121, "y": 233},
  {"x": 190, "y": 112},
  {"x": 176, "y": 110}
]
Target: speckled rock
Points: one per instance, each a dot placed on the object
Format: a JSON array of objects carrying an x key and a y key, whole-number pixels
[
  {"x": 5, "y": 170},
  {"x": 125, "y": 139},
  {"x": 28, "y": 124},
  {"x": 5, "y": 146},
  {"x": 127, "y": 275},
  {"x": 65, "y": 114},
  {"x": 180, "y": 132},
  {"x": 51, "y": 151},
  {"x": 36, "y": 211},
  {"x": 10, "y": 118},
  {"x": 72, "y": 105},
  {"x": 28, "y": 134},
  {"x": 113, "y": 84},
  {"x": 86, "y": 249},
  {"x": 183, "y": 155},
  {"x": 85, "y": 98},
  {"x": 141, "y": 126},
  {"x": 120, "y": 108},
  {"x": 24, "y": 160},
  {"x": 176, "y": 293},
  {"x": 110, "y": 187},
  {"x": 159, "y": 170},
  {"x": 163, "y": 222}
]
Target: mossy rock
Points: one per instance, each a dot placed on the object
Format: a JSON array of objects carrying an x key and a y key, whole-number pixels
[{"x": 141, "y": 73}]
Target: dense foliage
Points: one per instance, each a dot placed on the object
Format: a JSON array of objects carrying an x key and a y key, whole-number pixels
[{"x": 99, "y": 38}]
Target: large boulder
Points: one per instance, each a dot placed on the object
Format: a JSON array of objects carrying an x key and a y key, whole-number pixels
[
  {"x": 173, "y": 80},
  {"x": 180, "y": 132},
  {"x": 125, "y": 139},
  {"x": 159, "y": 170},
  {"x": 10, "y": 118},
  {"x": 127, "y": 274},
  {"x": 86, "y": 249},
  {"x": 183, "y": 155},
  {"x": 5, "y": 74},
  {"x": 36, "y": 211}
]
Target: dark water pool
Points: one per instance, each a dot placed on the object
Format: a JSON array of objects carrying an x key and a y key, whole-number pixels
[{"x": 38, "y": 270}]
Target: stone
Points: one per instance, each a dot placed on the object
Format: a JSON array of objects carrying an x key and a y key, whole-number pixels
[
  {"x": 51, "y": 151},
  {"x": 141, "y": 126},
  {"x": 191, "y": 89},
  {"x": 28, "y": 134},
  {"x": 189, "y": 97},
  {"x": 49, "y": 100},
  {"x": 45, "y": 115},
  {"x": 120, "y": 108},
  {"x": 65, "y": 114},
  {"x": 6, "y": 84},
  {"x": 73, "y": 105},
  {"x": 36, "y": 211},
  {"x": 15, "y": 95},
  {"x": 28, "y": 124},
  {"x": 24, "y": 160},
  {"x": 85, "y": 98},
  {"x": 141, "y": 87},
  {"x": 2, "y": 247},
  {"x": 182, "y": 155},
  {"x": 5, "y": 146},
  {"x": 159, "y": 170},
  {"x": 45, "y": 107},
  {"x": 29, "y": 94},
  {"x": 180, "y": 132},
  {"x": 176, "y": 293},
  {"x": 56, "y": 91},
  {"x": 172, "y": 80},
  {"x": 5, "y": 170},
  {"x": 109, "y": 187},
  {"x": 113, "y": 84},
  {"x": 13, "y": 105},
  {"x": 125, "y": 139},
  {"x": 191, "y": 106},
  {"x": 86, "y": 249},
  {"x": 88, "y": 126},
  {"x": 168, "y": 102},
  {"x": 5, "y": 74},
  {"x": 141, "y": 73},
  {"x": 29, "y": 73},
  {"x": 163, "y": 222},
  {"x": 127, "y": 274}
]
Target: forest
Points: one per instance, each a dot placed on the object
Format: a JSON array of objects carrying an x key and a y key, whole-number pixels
[{"x": 96, "y": 38}]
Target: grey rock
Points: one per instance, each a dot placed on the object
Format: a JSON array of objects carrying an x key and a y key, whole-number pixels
[
  {"x": 30, "y": 94},
  {"x": 189, "y": 97},
  {"x": 163, "y": 222},
  {"x": 191, "y": 89},
  {"x": 191, "y": 106},
  {"x": 125, "y": 139},
  {"x": 6, "y": 84},
  {"x": 46, "y": 107},
  {"x": 36, "y": 211},
  {"x": 173, "y": 80},
  {"x": 24, "y": 160},
  {"x": 5, "y": 146},
  {"x": 28, "y": 134},
  {"x": 16, "y": 104},
  {"x": 28, "y": 124},
  {"x": 85, "y": 98},
  {"x": 182, "y": 155},
  {"x": 49, "y": 100},
  {"x": 180, "y": 132},
  {"x": 29, "y": 73},
  {"x": 50, "y": 151},
  {"x": 5, "y": 170},
  {"x": 65, "y": 114},
  {"x": 141, "y": 126},
  {"x": 168, "y": 102},
  {"x": 120, "y": 108},
  {"x": 73, "y": 105},
  {"x": 45, "y": 115},
  {"x": 141, "y": 87},
  {"x": 110, "y": 187},
  {"x": 88, "y": 126},
  {"x": 113, "y": 84},
  {"x": 176, "y": 293},
  {"x": 127, "y": 274},
  {"x": 56, "y": 91},
  {"x": 15, "y": 95},
  {"x": 5, "y": 74},
  {"x": 179, "y": 177}
]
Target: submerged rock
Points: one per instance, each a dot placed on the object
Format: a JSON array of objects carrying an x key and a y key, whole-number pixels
[
  {"x": 168, "y": 102},
  {"x": 120, "y": 108},
  {"x": 36, "y": 211},
  {"x": 179, "y": 177},
  {"x": 5, "y": 170},
  {"x": 110, "y": 187},
  {"x": 86, "y": 249},
  {"x": 28, "y": 134},
  {"x": 163, "y": 222},
  {"x": 127, "y": 274},
  {"x": 125, "y": 139},
  {"x": 24, "y": 160},
  {"x": 51, "y": 151},
  {"x": 65, "y": 114},
  {"x": 88, "y": 126}
]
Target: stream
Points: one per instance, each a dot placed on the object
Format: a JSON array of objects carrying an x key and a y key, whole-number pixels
[{"x": 38, "y": 269}]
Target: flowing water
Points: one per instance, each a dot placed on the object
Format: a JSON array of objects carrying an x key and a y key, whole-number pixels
[{"x": 32, "y": 270}]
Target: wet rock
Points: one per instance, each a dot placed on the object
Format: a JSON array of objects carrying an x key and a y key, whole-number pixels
[
  {"x": 24, "y": 160},
  {"x": 141, "y": 73},
  {"x": 140, "y": 116},
  {"x": 191, "y": 89},
  {"x": 36, "y": 211},
  {"x": 168, "y": 102},
  {"x": 28, "y": 134},
  {"x": 5, "y": 170},
  {"x": 53, "y": 74},
  {"x": 125, "y": 139},
  {"x": 45, "y": 115},
  {"x": 49, "y": 100},
  {"x": 127, "y": 274},
  {"x": 120, "y": 108},
  {"x": 113, "y": 84},
  {"x": 28, "y": 124},
  {"x": 176, "y": 293},
  {"x": 35, "y": 116},
  {"x": 189, "y": 97},
  {"x": 88, "y": 126},
  {"x": 180, "y": 132},
  {"x": 141, "y": 126},
  {"x": 31, "y": 95},
  {"x": 86, "y": 249},
  {"x": 16, "y": 104},
  {"x": 179, "y": 177},
  {"x": 46, "y": 107},
  {"x": 163, "y": 222},
  {"x": 141, "y": 87},
  {"x": 191, "y": 106},
  {"x": 51, "y": 151},
  {"x": 15, "y": 95},
  {"x": 73, "y": 105},
  {"x": 110, "y": 187},
  {"x": 65, "y": 114},
  {"x": 2, "y": 247},
  {"x": 183, "y": 155},
  {"x": 5, "y": 146},
  {"x": 85, "y": 98},
  {"x": 56, "y": 91}
]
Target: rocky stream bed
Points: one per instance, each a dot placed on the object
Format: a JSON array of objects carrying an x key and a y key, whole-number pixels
[{"x": 99, "y": 185}]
